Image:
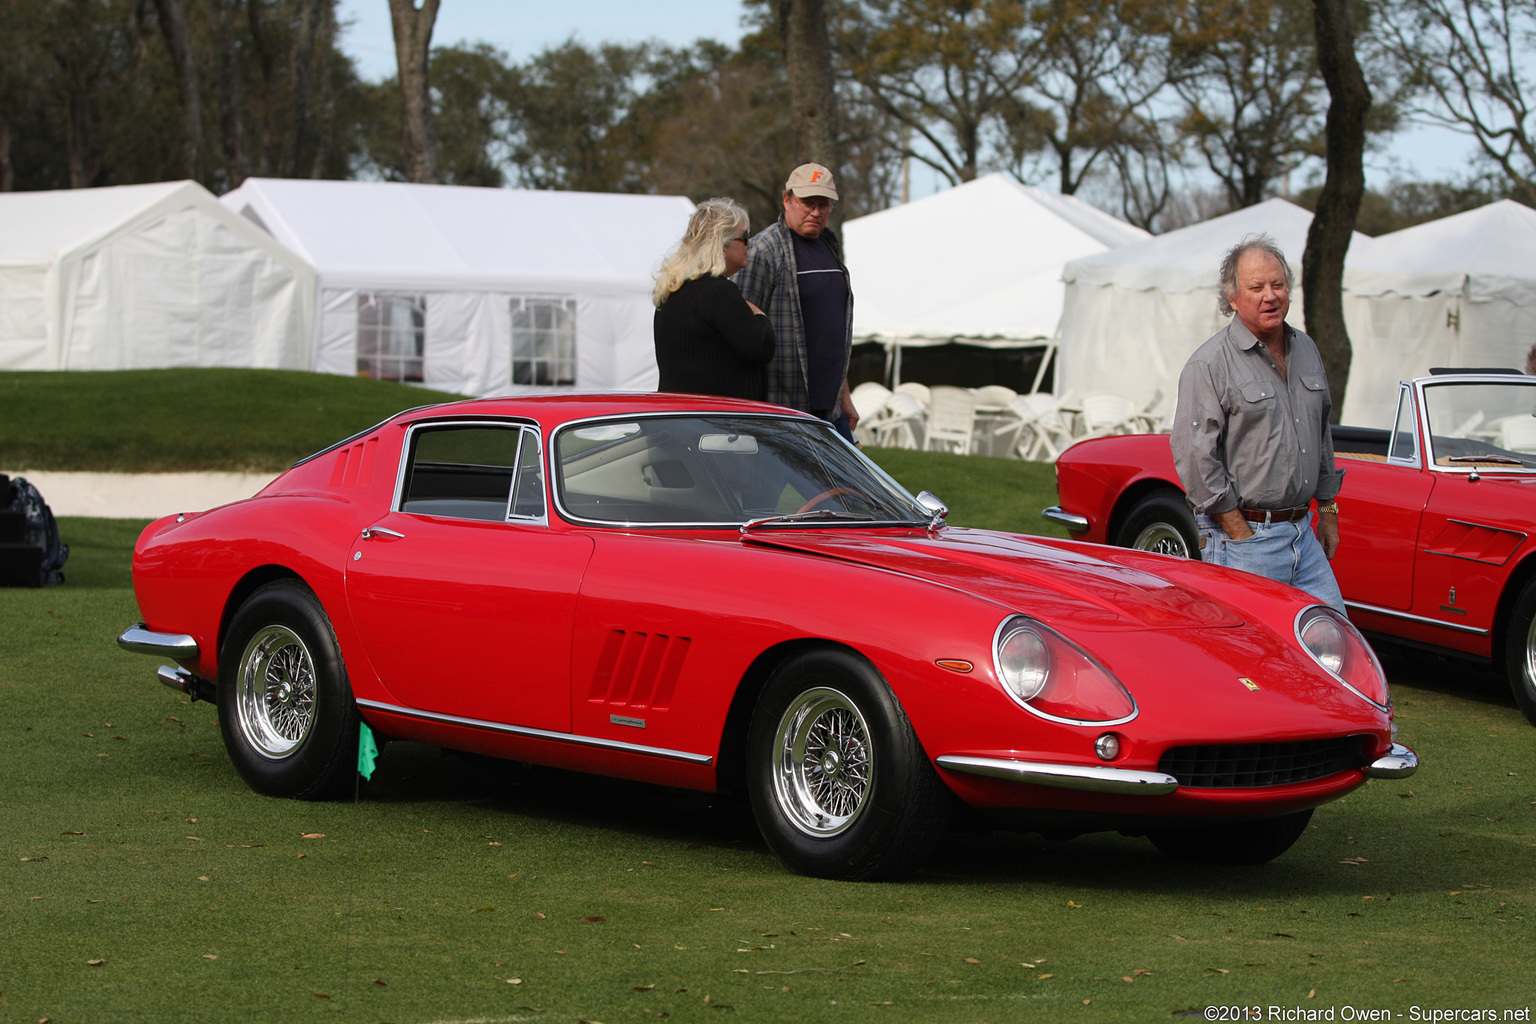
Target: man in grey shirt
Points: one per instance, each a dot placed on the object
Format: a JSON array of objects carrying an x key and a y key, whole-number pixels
[{"x": 1250, "y": 434}]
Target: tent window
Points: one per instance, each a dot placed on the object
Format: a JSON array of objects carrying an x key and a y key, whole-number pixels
[
  {"x": 391, "y": 336},
  {"x": 544, "y": 342}
]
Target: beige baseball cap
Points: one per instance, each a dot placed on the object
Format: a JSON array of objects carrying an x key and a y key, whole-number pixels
[{"x": 811, "y": 180}]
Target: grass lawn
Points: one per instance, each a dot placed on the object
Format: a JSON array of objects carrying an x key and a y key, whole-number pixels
[{"x": 142, "y": 881}]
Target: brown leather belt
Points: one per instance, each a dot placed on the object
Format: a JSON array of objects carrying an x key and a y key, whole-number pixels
[{"x": 1275, "y": 515}]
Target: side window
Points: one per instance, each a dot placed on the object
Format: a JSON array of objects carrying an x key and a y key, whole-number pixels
[
  {"x": 544, "y": 342},
  {"x": 391, "y": 336},
  {"x": 462, "y": 470},
  {"x": 1404, "y": 440}
]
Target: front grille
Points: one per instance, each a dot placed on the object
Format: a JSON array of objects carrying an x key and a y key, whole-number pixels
[{"x": 1249, "y": 765}]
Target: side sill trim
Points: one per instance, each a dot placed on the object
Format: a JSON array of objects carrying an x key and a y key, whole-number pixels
[
  {"x": 1398, "y": 764},
  {"x": 1120, "y": 781},
  {"x": 1422, "y": 620},
  {"x": 541, "y": 734},
  {"x": 1072, "y": 522},
  {"x": 176, "y": 646}
]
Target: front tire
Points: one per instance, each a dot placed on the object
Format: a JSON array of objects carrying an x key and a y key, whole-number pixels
[
  {"x": 1232, "y": 842},
  {"x": 289, "y": 721},
  {"x": 840, "y": 786},
  {"x": 1520, "y": 652},
  {"x": 1162, "y": 523}
]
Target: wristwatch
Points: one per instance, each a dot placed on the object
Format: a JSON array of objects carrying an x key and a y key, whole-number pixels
[{"x": 1331, "y": 507}]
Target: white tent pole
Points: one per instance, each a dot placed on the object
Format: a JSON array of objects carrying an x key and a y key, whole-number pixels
[{"x": 1045, "y": 361}]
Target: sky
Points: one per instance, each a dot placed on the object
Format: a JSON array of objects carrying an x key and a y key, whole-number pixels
[{"x": 521, "y": 28}]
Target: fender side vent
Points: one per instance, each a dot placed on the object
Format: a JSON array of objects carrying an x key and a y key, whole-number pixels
[{"x": 638, "y": 670}]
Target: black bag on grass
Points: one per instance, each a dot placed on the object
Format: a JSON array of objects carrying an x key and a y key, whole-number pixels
[{"x": 31, "y": 554}]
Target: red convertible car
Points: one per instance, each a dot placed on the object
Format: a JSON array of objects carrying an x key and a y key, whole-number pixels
[
  {"x": 1436, "y": 516},
  {"x": 722, "y": 595}
]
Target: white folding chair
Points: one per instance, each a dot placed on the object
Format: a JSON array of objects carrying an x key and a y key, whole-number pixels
[
  {"x": 916, "y": 390},
  {"x": 900, "y": 423},
  {"x": 1044, "y": 432},
  {"x": 951, "y": 420},
  {"x": 1104, "y": 414},
  {"x": 869, "y": 400}
]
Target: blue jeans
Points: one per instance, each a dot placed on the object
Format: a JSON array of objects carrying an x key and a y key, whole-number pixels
[{"x": 1288, "y": 552}]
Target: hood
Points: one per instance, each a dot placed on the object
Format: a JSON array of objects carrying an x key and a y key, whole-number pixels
[{"x": 1064, "y": 586}]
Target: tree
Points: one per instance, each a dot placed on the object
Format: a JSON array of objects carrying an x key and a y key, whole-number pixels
[
  {"x": 173, "y": 28},
  {"x": 944, "y": 73},
  {"x": 1250, "y": 84},
  {"x": 1096, "y": 65},
  {"x": 807, "y": 49},
  {"x": 1469, "y": 65},
  {"x": 413, "y": 41},
  {"x": 1322, "y": 264}
]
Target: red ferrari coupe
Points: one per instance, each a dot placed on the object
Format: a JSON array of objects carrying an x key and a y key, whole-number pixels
[
  {"x": 1435, "y": 517},
  {"x": 721, "y": 595}
]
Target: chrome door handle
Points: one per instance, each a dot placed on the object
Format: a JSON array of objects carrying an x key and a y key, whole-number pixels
[{"x": 369, "y": 531}]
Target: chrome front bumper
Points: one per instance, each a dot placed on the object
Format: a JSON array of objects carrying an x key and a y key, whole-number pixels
[
  {"x": 1399, "y": 763},
  {"x": 1120, "y": 781}
]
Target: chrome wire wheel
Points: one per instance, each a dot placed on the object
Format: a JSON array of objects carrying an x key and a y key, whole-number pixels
[
  {"x": 275, "y": 691},
  {"x": 1161, "y": 539},
  {"x": 824, "y": 766}
]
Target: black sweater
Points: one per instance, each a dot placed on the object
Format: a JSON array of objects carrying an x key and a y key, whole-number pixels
[{"x": 709, "y": 342}]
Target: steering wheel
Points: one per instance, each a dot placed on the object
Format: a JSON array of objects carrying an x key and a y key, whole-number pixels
[{"x": 827, "y": 495}]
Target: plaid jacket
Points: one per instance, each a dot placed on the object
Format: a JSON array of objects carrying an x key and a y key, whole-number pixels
[{"x": 769, "y": 280}]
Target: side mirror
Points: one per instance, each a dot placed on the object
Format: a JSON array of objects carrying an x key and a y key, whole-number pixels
[{"x": 936, "y": 508}]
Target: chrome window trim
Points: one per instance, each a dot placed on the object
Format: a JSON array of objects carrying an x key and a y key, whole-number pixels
[
  {"x": 920, "y": 518},
  {"x": 407, "y": 454},
  {"x": 1407, "y": 394},
  {"x": 1422, "y": 385},
  {"x": 527, "y": 732}
]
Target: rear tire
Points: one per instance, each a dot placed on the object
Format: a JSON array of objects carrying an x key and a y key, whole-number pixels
[
  {"x": 1232, "y": 842},
  {"x": 840, "y": 786},
  {"x": 1520, "y": 652},
  {"x": 1161, "y": 523},
  {"x": 289, "y": 721}
]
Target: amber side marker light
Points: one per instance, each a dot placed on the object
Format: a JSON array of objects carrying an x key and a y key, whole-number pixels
[{"x": 955, "y": 664}]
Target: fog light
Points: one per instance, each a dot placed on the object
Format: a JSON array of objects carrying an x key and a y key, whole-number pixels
[{"x": 1107, "y": 746}]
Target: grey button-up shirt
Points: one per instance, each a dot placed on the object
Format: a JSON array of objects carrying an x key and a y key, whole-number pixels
[{"x": 1246, "y": 437}]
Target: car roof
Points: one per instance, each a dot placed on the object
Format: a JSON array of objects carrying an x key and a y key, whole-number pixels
[{"x": 551, "y": 410}]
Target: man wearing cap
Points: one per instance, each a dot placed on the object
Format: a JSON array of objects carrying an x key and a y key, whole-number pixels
[
  {"x": 1251, "y": 440},
  {"x": 795, "y": 273}
]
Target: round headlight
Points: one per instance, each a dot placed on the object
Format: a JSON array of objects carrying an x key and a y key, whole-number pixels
[
  {"x": 1325, "y": 640},
  {"x": 1024, "y": 661}
]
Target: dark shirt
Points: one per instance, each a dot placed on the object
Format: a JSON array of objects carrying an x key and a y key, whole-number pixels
[
  {"x": 709, "y": 342},
  {"x": 824, "y": 308}
]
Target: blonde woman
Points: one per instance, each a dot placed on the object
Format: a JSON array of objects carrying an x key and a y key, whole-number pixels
[{"x": 710, "y": 340}]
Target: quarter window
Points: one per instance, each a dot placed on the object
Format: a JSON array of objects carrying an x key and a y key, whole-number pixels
[
  {"x": 391, "y": 336},
  {"x": 544, "y": 342}
]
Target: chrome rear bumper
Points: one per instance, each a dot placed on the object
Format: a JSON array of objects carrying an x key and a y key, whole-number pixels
[
  {"x": 1072, "y": 522},
  {"x": 176, "y": 646}
]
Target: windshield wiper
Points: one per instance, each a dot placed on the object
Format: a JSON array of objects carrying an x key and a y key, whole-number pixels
[
  {"x": 800, "y": 517},
  {"x": 1498, "y": 460}
]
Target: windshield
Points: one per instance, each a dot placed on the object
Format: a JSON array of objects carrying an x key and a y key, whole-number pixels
[
  {"x": 1487, "y": 426},
  {"x": 721, "y": 470}
]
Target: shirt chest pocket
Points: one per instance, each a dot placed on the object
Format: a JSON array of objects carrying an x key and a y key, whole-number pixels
[
  {"x": 1314, "y": 382},
  {"x": 1257, "y": 392}
]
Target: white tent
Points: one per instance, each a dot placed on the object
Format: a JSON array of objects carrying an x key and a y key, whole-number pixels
[
  {"x": 979, "y": 263},
  {"x": 138, "y": 276},
  {"x": 1133, "y": 315},
  {"x": 1459, "y": 291},
  {"x": 479, "y": 291}
]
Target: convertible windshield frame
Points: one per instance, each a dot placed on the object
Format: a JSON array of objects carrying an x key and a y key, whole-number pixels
[
  {"x": 1479, "y": 424},
  {"x": 693, "y": 470}
]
